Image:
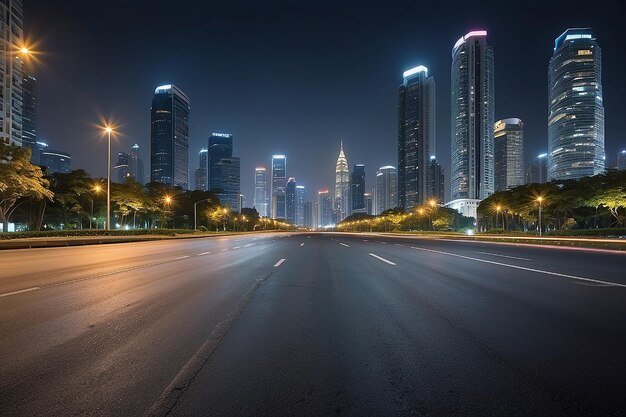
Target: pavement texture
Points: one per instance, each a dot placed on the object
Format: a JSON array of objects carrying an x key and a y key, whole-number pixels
[{"x": 308, "y": 324}]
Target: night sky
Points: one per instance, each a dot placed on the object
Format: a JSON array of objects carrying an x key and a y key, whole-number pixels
[{"x": 296, "y": 77}]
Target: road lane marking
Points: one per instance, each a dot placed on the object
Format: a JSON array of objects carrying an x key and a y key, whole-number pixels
[
  {"x": 365, "y": 240},
  {"x": 6, "y": 294},
  {"x": 343, "y": 244},
  {"x": 277, "y": 264},
  {"x": 237, "y": 247},
  {"x": 182, "y": 257},
  {"x": 380, "y": 258},
  {"x": 203, "y": 253},
  {"x": 597, "y": 281},
  {"x": 398, "y": 244},
  {"x": 224, "y": 250},
  {"x": 248, "y": 245},
  {"x": 505, "y": 256},
  {"x": 384, "y": 243},
  {"x": 302, "y": 244}
]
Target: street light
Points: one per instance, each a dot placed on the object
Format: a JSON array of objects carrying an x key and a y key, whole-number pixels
[
  {"x": 539, "y": 200},
  {"x": 498, "y": 208},
  {"x": 96, "y": 189},
  {"x": 108, "y": 130},
  {"x": 195, "y": 217}
]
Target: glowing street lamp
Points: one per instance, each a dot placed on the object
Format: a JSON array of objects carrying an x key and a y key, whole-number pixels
[
  {"x": 108, "y": 130},
  {"x": 96, "y": 189},
  {"x": 498, "y": 208},
  {"x": 540, "y": 200}
]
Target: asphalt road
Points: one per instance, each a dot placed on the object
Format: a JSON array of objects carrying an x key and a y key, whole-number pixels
[{"x": 312, "y": 324}]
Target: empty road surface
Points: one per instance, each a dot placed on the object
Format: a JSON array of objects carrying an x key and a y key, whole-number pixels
[{"x": 311, "y": 324}]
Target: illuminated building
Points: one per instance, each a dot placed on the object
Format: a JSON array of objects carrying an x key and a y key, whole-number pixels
[
  {"x": 279, "y": 182},
  {"x": 508, "y": 154},
  {"x": 342, "y": 186},
  {"x": 357, "y": 189},
  {"x": 386, "y": 188},
  {"x": 11, "y": 71},
  {"x": 201, "y": 171},
  {"x": 260, "y": 191}
]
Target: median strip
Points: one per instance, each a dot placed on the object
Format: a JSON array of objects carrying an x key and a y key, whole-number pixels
[{"x": 380, "y": 258}]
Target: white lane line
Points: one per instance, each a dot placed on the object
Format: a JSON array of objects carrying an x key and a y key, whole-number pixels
[
  {"x": 540, "y": 271},
  {"x": 224, "y": 250},
  {"x": 505, "y": 256},
  {"x": 365, "y": 240},
  {"x": 6, "y": 294},
  {"x": 248, "y": 245},
  {"x": 308, "y": 237},
  {"x": 384, "y": 243},
  {"x": 237, "y": 247},
  {"x": 302, "y": 244},
  {"x": 203, "y": 253},
  {"x": 380, "y": 258},
  {"x": 343, "y": 244},
  {"x": 398, "y": 244},
  {"x": 277, "y": 264},
  {"x": 182, "y": 257}
]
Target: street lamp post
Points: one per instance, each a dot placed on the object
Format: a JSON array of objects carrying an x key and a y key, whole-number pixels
[
  {"x": 108, "y": 130},
  {"x": 195, "y": 217},
  {"x": 498, "y": 208},
  {"x": 539, "y": 200}
]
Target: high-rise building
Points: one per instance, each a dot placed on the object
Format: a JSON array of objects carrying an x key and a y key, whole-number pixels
[
  {"x": 357, "y": 189},
  {"x": 621, "y": 160},
  {"x": 220, "y": 146},
  {"x": 369, "y": 206},
  {"x": 201, "y": 171},
  {"x": 279, "y": 182},
  {"x": 436, "y": 181},
  {"x": 508, "y": 153},
  {"x": 29, "y": 116},
  {"x": 537, "y": 170},
  {"x": 473, "y": 104},
  {"x": 342, "y": 185},
  {"x": 575, "y": 107},
  {"x": 11, "y": 71},
  {"x": 56, "y": 161},
  {"x": 325, "y": 205},
  {"x": 416, "y": 134},
  {"x": 260, "y": 191},
  {"x": 135, "y": 164},
  {"x": 169, "y": 138},
  {"x": 121, "y": 168},
  {"x": 290, "y": 201},
  {"x": 230, "y": 193},
  {"x": 308, "y": 215},
  {"x": 386, "y": 188},
  {"x": 300, "y": 197}
]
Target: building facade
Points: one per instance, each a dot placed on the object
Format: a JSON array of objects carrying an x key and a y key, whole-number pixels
[
  {"x": 473, "y": 103},
  {"x": 279, "y": 182},
  {"x": 621, "y": 160},
  {"x": 121, "y": 168},
  {"x": 11, "y": 71},
  {"x": 342, "y": 185},
  {"x": 357, "y": 189},
  {"x": 290, "y": 201},
  {"x": 169, "y": 138},
  {"x": 56, "y": 161},
  {"x": 416, "y": 134},
  {"x": 537, "y": 170},
  {"x": 220, "y": 145},
  {"x": 436, "y": 181},
  {"x": 386, "y": 188},
  {"x": 201, "y": 171},
  {"x": 135, "y": 164},
  {"x": 300, "y": 202},
  {"x": 260, "y": 191},
  {"x": 508, "y": 153},
  {"x": 575, "y": 107},
  {"x": 325, "y": 205},
  {"x": 29, "y": 116},
  {"x": 230, "y": 193}
]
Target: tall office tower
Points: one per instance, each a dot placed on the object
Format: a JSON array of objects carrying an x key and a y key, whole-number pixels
[
  {"x": 386, "y": 188},
  {"x": 473, "y": 106},
  {"x": 508, "y": 153},
  {"x": 537, "y": 170},
  {"x": 342, "y": 186},
  {"x": 416, "y": 134},
  {"x": 29, "y": 116},
  {"x": 279, "y": 182},
  {"x": 135, "y": 164},
  {"x": 575, "y": 107},
  {"x": 55, "y": 161},
  {"x": 357, "y": 189},
  {"x": 369, "y": 209},
  {"x": 260, "y": 191},
  {"x": 621, "y": 160},
  {"x": 169, "y": 138},
  {"x": 300, "y": 196},
  {"x": 325, "y": 205},
  {"x": 121, "y": 168},
  {"x": 201, "y": 171},
  {"x": 11, "y": 71},
  {"x": 308, "y": 214},
  {"x": 230, "y": 193},
  {"x": 220, "y": 146},
  {"x": 436, "y": 181},
  {"x": 290, "y": 201}
]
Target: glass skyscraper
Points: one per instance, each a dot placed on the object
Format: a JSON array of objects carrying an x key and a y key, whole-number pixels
[
  {"x": 279, "y": 182},
  {"x": 56, "y": 161},
  {"x": 473, "y": 104},
  {"x": 357, "y": 189},
  {"x": 29, "y": 116},
  {"x": 135, "y": 164},
  {"x": 416, "y": 133},
  {"x": 260, "y": 191},
  {"x": 169, "y": 139},
  {"x": 201, "y": 171},
  {"x": 342, "y": 185},
  {"x": 508, "y": 153},
  {"x": 575, "y": 107},
  {"x": 230, "y": 194},
  {"x": 300, "y": 197},
  {"x": 121, "y": 168},
  {"x": 290, "y": 201},
  {"x": 386, "y": 188},
  {"x": 220, "y": 146},
  {"x": 11, "y": 71}
]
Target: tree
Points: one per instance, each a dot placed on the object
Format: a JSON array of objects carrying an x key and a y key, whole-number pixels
[
  {"x": 71, "y": 191},
  {"x": 611, "y": 193},
  {"x": 19, "y": 178}
]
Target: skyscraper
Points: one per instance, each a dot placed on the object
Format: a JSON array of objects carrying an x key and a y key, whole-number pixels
[
  {"x": 135, "y": 164},
  {"x": 621, "y": 160},
  {"x": 169, "y": 139},
  {"x": 56, "y": 161},
  {"x": 369, "y": 206},
  {"x": 121, "y": 168},
  {"x": 308, "y": 215},
  {"x": 357, "y": 189},
  {"x": 290, "y": 201},
  {"x": 473, "y": 106},
  {"x": 537, "y": 170},
  {"x": 29, "y": 116},
  {"x": 220, "y": 146},
  {"x": 260, "y": 191},
  {"x": 342, "y": 185},
  {"x": 230, "y": 193},
  {"x": 508, "y": 154},
  {"x": 436, "y": 180},
  {"x": 300, "y": 197},
  {"x": 325, "y": 205},
  {"x": 575, "y": 107},
  {"x": 279, "y": 182},
  {"x": 386, "y": 188},
  {"x": 416, "y": 134},
  {"x": 11, "y": 71},
  {"x": 201, "y": 171}
]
